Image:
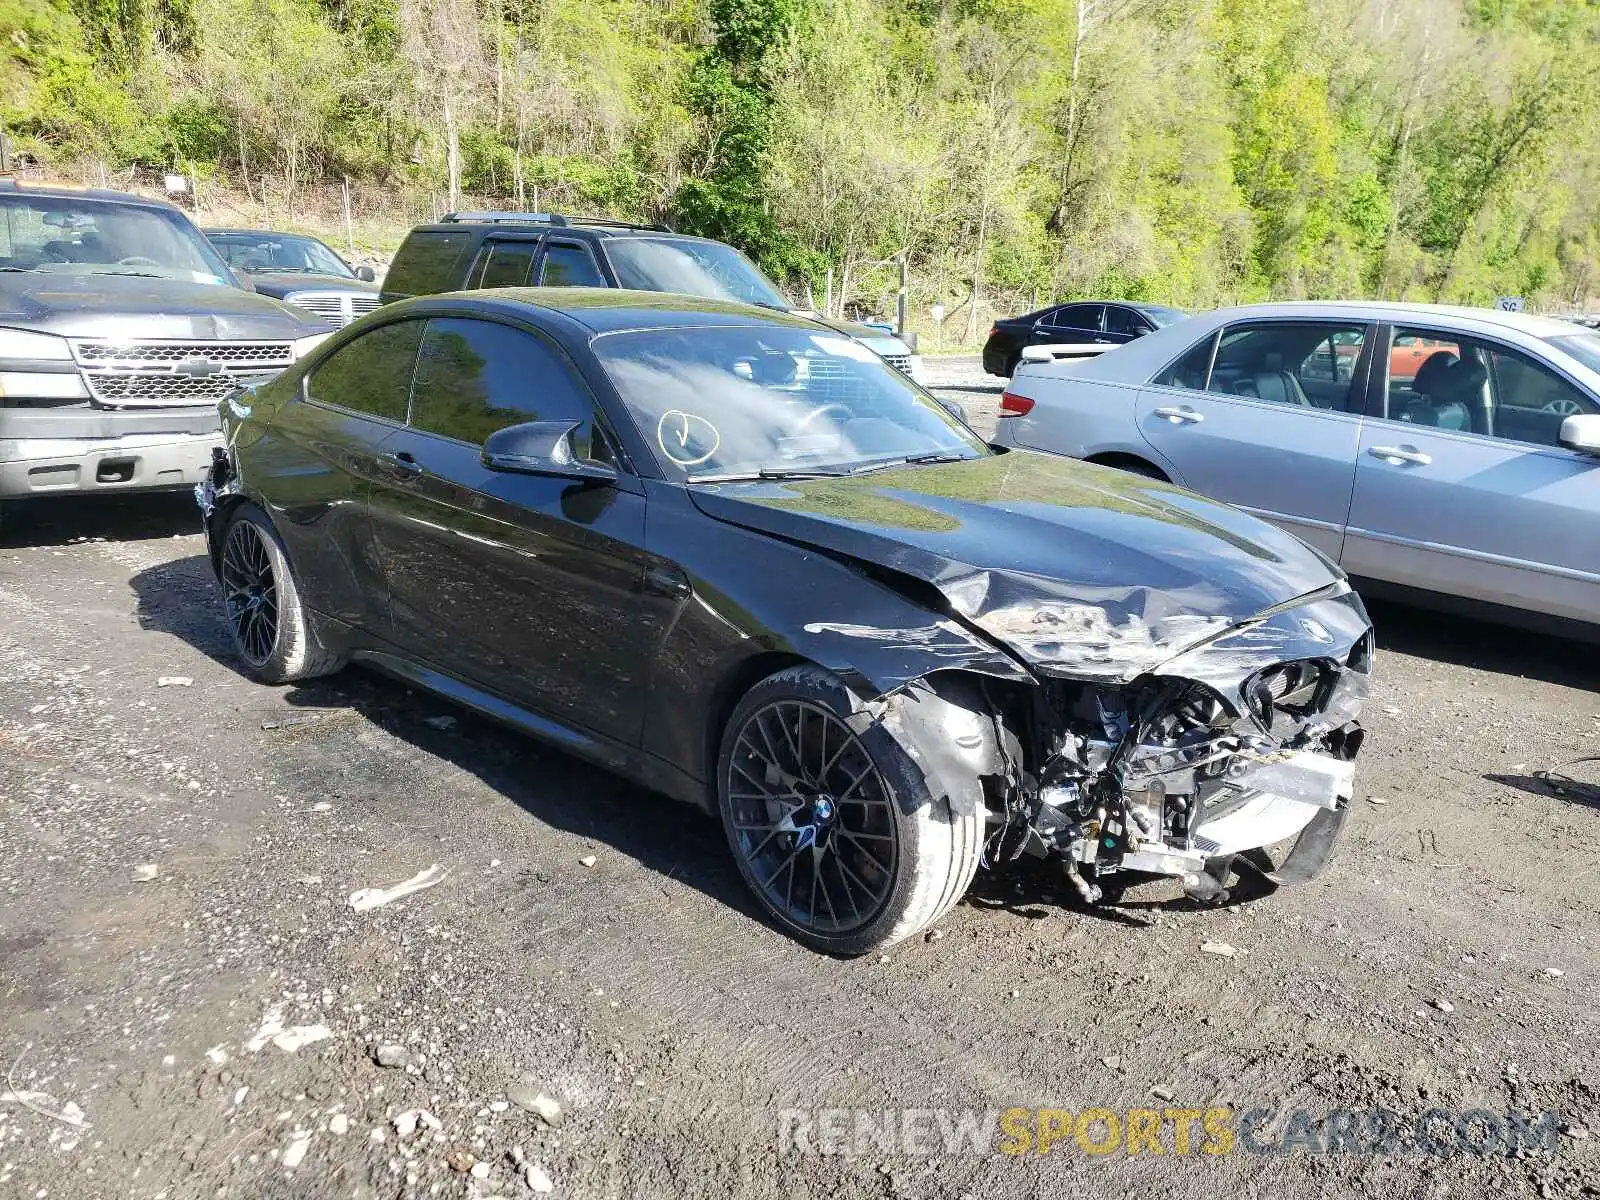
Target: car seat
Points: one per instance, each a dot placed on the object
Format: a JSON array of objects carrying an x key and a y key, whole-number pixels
[{"x": 1447, "y": 388}]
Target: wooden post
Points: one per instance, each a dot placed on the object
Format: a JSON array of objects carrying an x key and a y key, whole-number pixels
[
  {"x": 902, "y": 299},
  {"x": 349, "y": 227},
  {"x": 827, "y": 295}
]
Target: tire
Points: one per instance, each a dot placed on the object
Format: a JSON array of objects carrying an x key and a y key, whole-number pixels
[
  {"x": 261, "y": 601},
  {"x": 870, "y": 836}
]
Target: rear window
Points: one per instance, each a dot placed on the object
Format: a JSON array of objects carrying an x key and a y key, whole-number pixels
[{"x": 426, "y": 263}]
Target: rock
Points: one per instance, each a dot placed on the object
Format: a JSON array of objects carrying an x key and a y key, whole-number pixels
[
  {"x": 1162, "y": 1092},
  {"x": 145, "y": 872},
  {"x": 238, "y": 1096},
  {"x": 1378, "y": 800},
  {"x": 1016, "y": 993},
  {"x": 408, "y": 1122},
  {"x": 459, "y": 1161},
  {"x": 1391, "y": 710},
  {"x": 1221, "y": 949},
  {"x": 298, "y": 1037},
  {"x": 174, "y": 681},
  {"x": 525, "y": 1094},
  {"x": 588, "y": 860},
  {"x": 1554, "y": 972},
  {"x": 536, "y": 1178},
  {"x": 216, "y": 1056},
  {"x": 294, "y": 1153},
  {"x": 1112, "y": 1062},
  {"x": 1443, "y": 1006},
  {"x": 338, "y": 1124},
  {"x": 499, "y": 1106},
  {"x": 391, "y": 1054},
  {"x": 933, "y": 935},
  {"x": 480, "y": 1170}
]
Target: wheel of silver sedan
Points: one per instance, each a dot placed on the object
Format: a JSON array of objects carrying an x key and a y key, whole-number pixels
[
  {"x": 812, "y": 817},
  {"x": 250, "y": 591}
]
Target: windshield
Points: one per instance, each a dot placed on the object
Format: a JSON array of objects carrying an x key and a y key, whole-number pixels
[
  {"x": 691, "y": 269},
  {"x": 1162, "y": 317},
  {"x": 261, "y": 252},
  {"x": 1585, "y": 347},
  {"x": 72, "y": 236},
  {"x": 746, "y": 401}
]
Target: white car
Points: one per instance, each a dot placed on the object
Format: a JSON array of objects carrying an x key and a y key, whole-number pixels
[{"x": 1451, "y": 451}]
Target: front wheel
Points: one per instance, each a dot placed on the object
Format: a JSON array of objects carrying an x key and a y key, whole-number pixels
[
  {"x": 836, "y": 833},
  {"x": 265, "y": 614}
]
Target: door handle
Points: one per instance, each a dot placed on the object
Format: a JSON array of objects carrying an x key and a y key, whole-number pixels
[
  {"x": 1183, "y": 415},
  {"x": 665, "y": 581},
  {"x": 403, "y": 464},
  {"x": 1401, "y": 454}
]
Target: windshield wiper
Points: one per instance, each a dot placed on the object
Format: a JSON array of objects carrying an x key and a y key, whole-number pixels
[
  {"x": 22, "y": 270},
  {"x": 775, "y": 473},
  {"x": 132, "y": 274}
]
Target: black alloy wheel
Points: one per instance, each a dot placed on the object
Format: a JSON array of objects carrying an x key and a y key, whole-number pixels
[
  {"x": 250, "y": 591},
  {"x": 812, "y": 817}
]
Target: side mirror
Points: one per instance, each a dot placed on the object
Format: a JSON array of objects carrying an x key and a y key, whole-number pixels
[
  {"x": 953, "y": 407},
  {"x": 1582, "y": 433},
  {"x": 365, "y": 273},
  {"x": 542, "y": 448}
]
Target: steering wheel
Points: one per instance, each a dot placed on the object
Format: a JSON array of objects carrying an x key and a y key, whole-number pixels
[
  {"x": 805, "y": 421},
  {"x": 137, "y": 260},
  {"x": 1564, "y": 407}
]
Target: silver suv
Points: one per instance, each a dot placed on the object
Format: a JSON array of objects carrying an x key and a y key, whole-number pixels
[{"x": 120, "y": 330}]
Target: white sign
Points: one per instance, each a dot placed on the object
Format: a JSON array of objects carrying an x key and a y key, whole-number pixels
[
  {"x": 937, "y": 313},
  {"x": 177, "y": 183},
  {"x": 1509, "y": 304}
]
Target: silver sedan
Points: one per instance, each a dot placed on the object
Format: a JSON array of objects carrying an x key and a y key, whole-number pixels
[{"x": 1447, "y": 451}]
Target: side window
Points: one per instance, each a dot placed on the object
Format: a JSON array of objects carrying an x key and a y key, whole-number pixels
[
  {"x": 426, "y": 262},
  {"x": 504, "y": 264},
  {"x": 1530, "y": 400},
  {"x": 567, "y": 265},
  {"x": 1079, "y": 316},
  {"x": 1192, "y": 370},
  {"x": 1125, "y": 321},
  {"x": 1307, "y": 364},
  {"x": 370, "y": 374},
  {"x": 474, "y": 377}
]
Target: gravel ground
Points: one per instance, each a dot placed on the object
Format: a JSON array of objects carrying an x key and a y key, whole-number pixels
[{"x": 191, "y": 1006}]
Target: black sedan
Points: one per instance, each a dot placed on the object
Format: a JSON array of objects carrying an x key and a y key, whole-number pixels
[
  {"x": 1092, "y": 325},
  {"x": 301, "y": 270},
  {"x": 742, "y": 561}
]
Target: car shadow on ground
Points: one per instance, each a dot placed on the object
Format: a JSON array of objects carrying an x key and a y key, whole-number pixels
[
  {"x": 126, "y": 517},
  {"x": 1470, "y": 642}
]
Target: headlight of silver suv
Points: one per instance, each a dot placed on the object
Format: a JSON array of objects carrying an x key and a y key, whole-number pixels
[{"x": 21, "y": 349}]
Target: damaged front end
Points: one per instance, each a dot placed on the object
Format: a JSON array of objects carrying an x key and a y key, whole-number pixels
[{"x": 1171, "y": 767}]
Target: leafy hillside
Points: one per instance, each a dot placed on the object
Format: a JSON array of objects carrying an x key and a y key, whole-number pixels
[{"x": 1192, "y": 151}]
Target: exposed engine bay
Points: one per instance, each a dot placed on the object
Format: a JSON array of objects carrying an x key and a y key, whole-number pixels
[{"x": 1170, "y": 773}]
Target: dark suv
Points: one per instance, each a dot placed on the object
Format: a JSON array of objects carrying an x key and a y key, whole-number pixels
[
  {"x": 469, "y": 250},
  {"x": 121, "y": 328}
]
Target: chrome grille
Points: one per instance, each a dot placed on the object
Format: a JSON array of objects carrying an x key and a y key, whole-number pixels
[
  {"x": 337, "y": 308},
  {"x": 153, "y": 373},
  {"x": 146, "y": 355}
]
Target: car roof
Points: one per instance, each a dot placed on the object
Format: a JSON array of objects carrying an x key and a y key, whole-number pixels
[
  {"x": 1394, "y": 310},
  {"x": 605, "y": 310},
  {"x": 65, "y": 191},
  {"x": 575, "y": 226},
  {"x": 310, "y": 237}
]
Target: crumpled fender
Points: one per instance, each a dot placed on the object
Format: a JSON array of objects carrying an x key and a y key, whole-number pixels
[{"x": 944, "y": 724}]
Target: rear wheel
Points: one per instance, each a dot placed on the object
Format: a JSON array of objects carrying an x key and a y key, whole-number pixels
[
  {"x": 265, "y": 614},
  {"x": 835, "y": 832}
]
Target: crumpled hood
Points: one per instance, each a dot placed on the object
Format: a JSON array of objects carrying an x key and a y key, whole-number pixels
[
  {"x": 1078, "y": 569},
  {"x": 270, "y": 283},
  {"x": 130, "y": 306}
]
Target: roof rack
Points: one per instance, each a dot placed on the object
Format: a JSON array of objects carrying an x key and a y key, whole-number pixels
[{"x": 544, "y": 218}]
